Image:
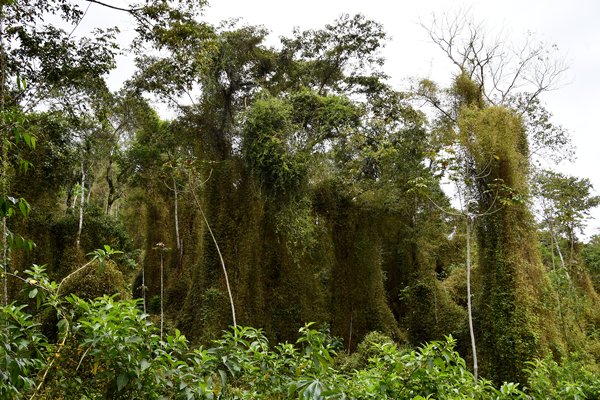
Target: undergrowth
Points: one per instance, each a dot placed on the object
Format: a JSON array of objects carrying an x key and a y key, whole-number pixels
[{"x": 106, "y": 348}]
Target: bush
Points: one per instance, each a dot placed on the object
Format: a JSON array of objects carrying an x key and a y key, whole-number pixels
[
  {"x": 572, "y": 379},
  {"x": 367, "y": 349},
  {"x": 21, "y": 351},
  {"x": 108, "y": 349}
]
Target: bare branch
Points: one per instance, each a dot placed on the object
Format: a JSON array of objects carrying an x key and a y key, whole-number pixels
[
  {"x": 129, "y": 10},
  {"x": 499, "y": 69}
]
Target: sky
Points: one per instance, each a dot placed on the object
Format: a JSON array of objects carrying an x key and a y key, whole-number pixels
[{"x": 571, "y": 25}]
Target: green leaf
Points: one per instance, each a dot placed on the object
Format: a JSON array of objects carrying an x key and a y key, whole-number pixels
[
  {"x": 29, "y": 245},
  {"x": 223, "y": 376},
  {"x": 145, "y": 364},
  {"x": 62, "y": 324},
  {"x": 122, "y": 381},
  {"x": 22, "y": 83},
  {"x": 24, "y": 165},
  {"x": 33, "y": 293},
  {"x": 24, "y": 207}
]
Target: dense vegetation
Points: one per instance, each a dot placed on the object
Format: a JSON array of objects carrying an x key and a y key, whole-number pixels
[
  {"x": 292, "y": 184},
  {"x": 108, "y": 349}
]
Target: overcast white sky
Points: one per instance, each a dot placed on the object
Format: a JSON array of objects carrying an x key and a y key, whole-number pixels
[{"x": 572, "y": 25}]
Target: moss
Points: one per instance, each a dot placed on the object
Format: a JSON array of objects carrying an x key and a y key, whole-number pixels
[
  {"x": 95, "y": 281},
  {"x": 300, "y": 253},
  {"x": 359, "y": 302},
  {"x": 593, "y": 350},
  {"x": 289, "y": 262},
  {"x": 467, "y": 91},
  {"x": 456, "y": 285},
  {"x": 431, "y": 312},
  {"x": 512, "y": 323},
  {"x": 267, "y": 147}
]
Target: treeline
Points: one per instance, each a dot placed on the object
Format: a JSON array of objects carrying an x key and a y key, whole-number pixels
[{"x": 295, "y": 184}]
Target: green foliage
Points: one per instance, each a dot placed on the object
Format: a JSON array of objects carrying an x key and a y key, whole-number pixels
[
  {"x": 21, "y": 352},
  {"x": 102, "y": 255},
  {"x": 321, "y": 118},
  {"x": 96, "y": 280},
  {"x": 367, "y": 349},
  {"x": 295, "y": 221},
  {"x": 591, "y": 257},
  {"x": 267, "y": 132},
  {"x": 154, "y": 305},
  {"x": 546, "y": 139},
  {"x": 468, "y": 92},
  {"x": 114, "y": 344},
  {"x": 341, "y": 56},
  {"x": 571, "y": 379},
  {"x": 110, "y": 350},
  {"x": 431, "y": 312},
  {"x": 435, "y": 370},
  {"x": 509, "y": 307},
  {"x": 98, "y": 229},
  {"x": 321, "y": 188},
  {"x": 566, "y": 202},
  {"x": 9, "y": 205},
  {"x": 55, "y": 65}
]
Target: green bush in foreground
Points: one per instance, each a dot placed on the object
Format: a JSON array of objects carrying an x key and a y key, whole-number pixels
[{"x": 106, "y": 349}]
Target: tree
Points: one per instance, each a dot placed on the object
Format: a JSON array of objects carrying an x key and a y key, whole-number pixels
[
  {"x": 508, "y": 74},
  {"x": 485, "y": 121},
  {"x": 472, "y": 166},
  {"x": 506, "y": 241},
  {"x": 43, "y": 66},
  {"x": 57, "y": 68},
  {"x": 591, "y": 256},
  {"x": 499, "y": 70},
  {"x": 343, "y": 57},
  {"x": 565, "y": 202},
  {"x": 263, "y": 129}
]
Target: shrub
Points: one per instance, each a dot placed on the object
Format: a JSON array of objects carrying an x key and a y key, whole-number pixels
[{"x": 106, "y": 348}]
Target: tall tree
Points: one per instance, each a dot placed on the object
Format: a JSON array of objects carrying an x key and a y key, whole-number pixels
[
  {"x": 492, "y": 112},
  {"x": 566, "y": 202},
  {"x": 510, "y": 270}
]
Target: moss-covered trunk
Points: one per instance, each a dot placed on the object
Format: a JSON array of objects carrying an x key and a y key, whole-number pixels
[{"x": 511, "y": 315}]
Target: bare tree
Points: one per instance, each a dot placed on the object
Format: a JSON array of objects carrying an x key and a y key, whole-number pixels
[
  {"x": 82, "y": 203},
  {"x": 500, "y": 68},
  {"x": 506, "y": 74}
]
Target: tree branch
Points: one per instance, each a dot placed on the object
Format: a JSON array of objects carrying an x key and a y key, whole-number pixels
[{"x": 129, "y": 10}]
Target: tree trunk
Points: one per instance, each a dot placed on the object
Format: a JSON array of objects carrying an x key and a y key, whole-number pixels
[
  {"x": 560, "y": 254},
  {"x": 4, "y": 174},
  {"x": 112, "y": 192},
  {"x": 81, "y": 204},
  {"x": 144, "y": 287},
  {"x": 469, "y": 306},
  {"x": 4, "y": 262},
  {"x": 162, "y": 289},
  {"x": 177, "y": 237}
]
